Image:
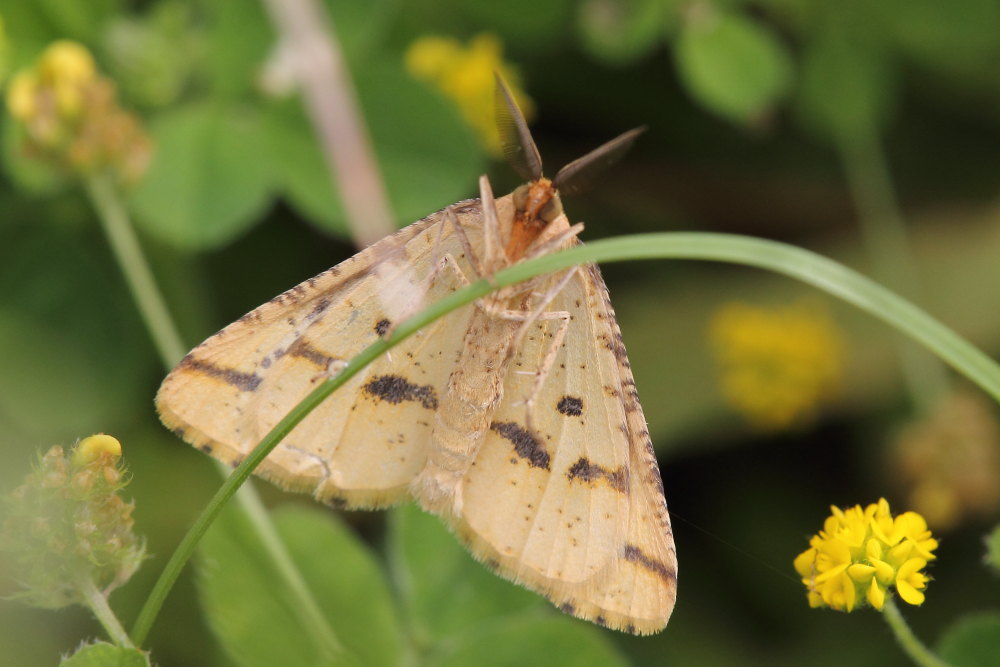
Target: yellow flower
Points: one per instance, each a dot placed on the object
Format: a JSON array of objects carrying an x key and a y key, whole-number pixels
[
  {"x": 465, "y": 75},
  {"x": 776, "y": 365},
  {"x": 67, "y": 68},
  {"x": 860, "y": 553},
  {"x": 71, "y": 116}
]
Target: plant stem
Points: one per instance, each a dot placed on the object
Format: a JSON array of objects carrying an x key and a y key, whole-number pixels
[
  {"x": 912, "y": 646},
  {"x": 99, "y": 605},
  {"x": 888, "y": 245},
  {"x": 151, "y": 304},
  {"x": 309, "y": 41},
  {"x": 118, "y": 228}
]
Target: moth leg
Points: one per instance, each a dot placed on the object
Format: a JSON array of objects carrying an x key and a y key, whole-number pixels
[
  {"x": 557, "y": 338},
  {"x": 452, "y": 219}
]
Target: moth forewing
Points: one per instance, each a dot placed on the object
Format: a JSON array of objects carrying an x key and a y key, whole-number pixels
[{"x": 357, "y": 448}]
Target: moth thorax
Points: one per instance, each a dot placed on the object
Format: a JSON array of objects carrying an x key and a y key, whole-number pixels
[{"x": 538, "y": 200}]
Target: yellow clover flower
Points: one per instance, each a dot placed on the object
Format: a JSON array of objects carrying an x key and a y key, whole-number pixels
[
  {"x": 71, "y": 117},
  {"x": 465, "y": 75},
  {"x": 776, "y": 365},
  {"x": 67, "y": 529},
  {"x": 860, "y": 553}
]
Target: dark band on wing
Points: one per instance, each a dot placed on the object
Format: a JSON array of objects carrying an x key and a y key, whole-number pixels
[
  {"x": 239, "y": 379},
  {"x": 396, "y": 389},
  {"x": 303, "y": 349},
  {"x": 634, "y": 554},
  {"x": 526, "y": 445},
  {"x": 585, "y": 471}
]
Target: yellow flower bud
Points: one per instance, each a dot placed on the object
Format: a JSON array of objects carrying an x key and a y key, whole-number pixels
[{"x": 95, "y": 446}]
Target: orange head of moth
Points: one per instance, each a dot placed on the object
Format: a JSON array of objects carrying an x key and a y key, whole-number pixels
[{"x": 537, "y": 203}]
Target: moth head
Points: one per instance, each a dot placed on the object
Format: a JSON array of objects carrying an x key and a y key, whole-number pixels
[{"x": 538, "y": 200}]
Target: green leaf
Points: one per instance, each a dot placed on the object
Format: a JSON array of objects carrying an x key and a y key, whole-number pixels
[
  {"x": 50, "y": 386},
  {"x": 209, "y": 180},
  {"x": 620, "y": 32},
  {"x": 446, "y": 590},
  {"x": 361, "y": 26},
  {"x": 846, "y": 88},
  {"x": 31, "y": 26},
  {"x": 103, "y": 654},
  {"x": 973, "y": 641},
  {"x": 958, "y": 37},
  {"x": 27, "y": 171},
  {"x": 239, "y": 41},
  {"x": 993, "y": 549},
  {"x": 525, "y": 641},
  {"x": 259, "y": 622},
  {"x": 427, "y": 156},
  {"x": 732, "y": 65}
]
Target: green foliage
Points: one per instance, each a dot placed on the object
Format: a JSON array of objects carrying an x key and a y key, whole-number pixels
[
  {"x": 973, "y": 641},
  {"x": 424, "y": 154},
  {"x": 453, "y": 607},
  {"x": 620, "y": 32},
  {"x": 102, "y": 654},
  {"x": 209, "y": 178},
  {"x": 446, "y": 590},
  {"x": 847, "y": 84},
  {"x": 732, "y": 65},
  {"x": 993, "y": 549},
  {"x": 259, "y": 623},
  {"x": 521, "y": 641}
]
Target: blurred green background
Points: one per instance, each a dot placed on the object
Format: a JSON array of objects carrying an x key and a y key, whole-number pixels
[{"x": 866, "y": 131}]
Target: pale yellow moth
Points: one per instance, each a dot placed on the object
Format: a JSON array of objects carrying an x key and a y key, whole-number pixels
[{"x": 515, "y": 419}]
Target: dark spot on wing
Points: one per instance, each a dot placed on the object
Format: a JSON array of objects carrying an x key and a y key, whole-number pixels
[
  {"x": 382, "y": 326},
  {"x": 526, "y": 445},
  {"x": 396, "y": 389},
  {"x": 570, "y": 406},
  {"x": 567, "y": 608},
  {"x": 585, "y": 471},
  {"x": 239, "y": 379},
  {"x": 634, "y": 554}
]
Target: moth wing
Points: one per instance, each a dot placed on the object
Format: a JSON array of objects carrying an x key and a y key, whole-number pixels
[
  {"x": 366, "y": 441},
  {"x": 590, "y": 531}
]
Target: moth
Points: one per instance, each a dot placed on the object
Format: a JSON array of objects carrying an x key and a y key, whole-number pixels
[{"x": 515, "y": 419}]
